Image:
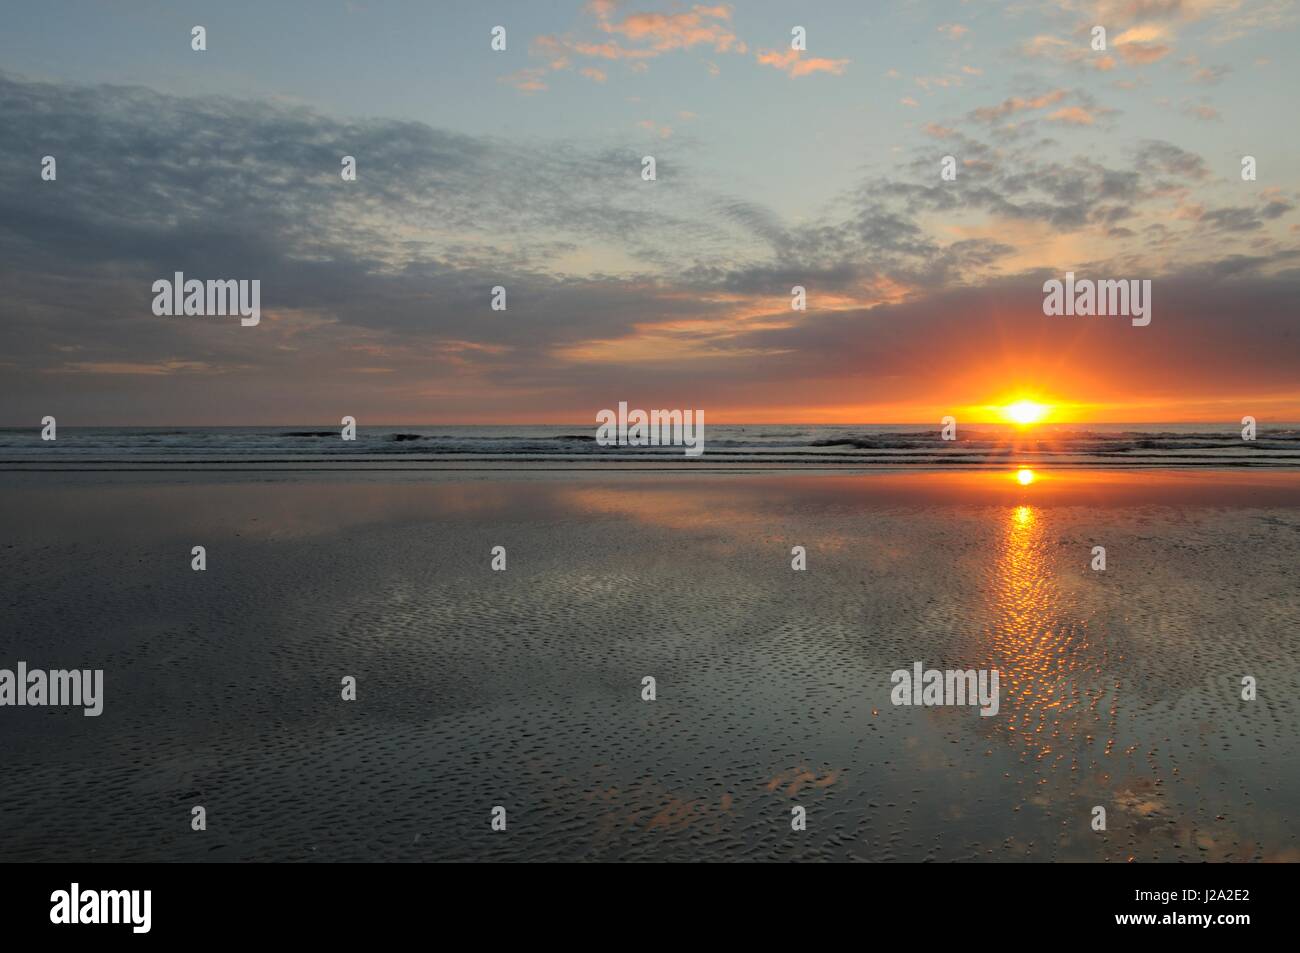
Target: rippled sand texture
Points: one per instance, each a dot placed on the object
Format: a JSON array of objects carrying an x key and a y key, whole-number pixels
[{"x": 522, "y": 689}]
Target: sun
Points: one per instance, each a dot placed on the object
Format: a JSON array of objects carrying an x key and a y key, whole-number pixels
[
  {"x": 1025, "y": 412},
  {"x": 1025, "y": 476}
]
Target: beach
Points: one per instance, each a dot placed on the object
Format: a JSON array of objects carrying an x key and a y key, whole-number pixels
[{"x": 523, "y": 688}]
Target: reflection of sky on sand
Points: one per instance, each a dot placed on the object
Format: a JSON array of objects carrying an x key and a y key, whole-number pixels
[
  {"x": 268, "y": 506},
  {"x": 726, "y": 499},
  {"x": 1116, "y": 690}
]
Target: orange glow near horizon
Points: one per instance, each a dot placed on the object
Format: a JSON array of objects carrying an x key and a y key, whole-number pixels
[
  {"x": 1025, "y": 476},
  {"x": 972, "y": 402}
]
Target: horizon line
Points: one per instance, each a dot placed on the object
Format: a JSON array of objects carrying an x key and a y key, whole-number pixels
[{"x": 749, "y": 423}]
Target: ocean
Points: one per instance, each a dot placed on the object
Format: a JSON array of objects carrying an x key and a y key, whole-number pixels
[{"x": 764, "y": 446}]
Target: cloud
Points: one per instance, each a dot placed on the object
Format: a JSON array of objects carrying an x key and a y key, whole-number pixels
[
  {"x": 1141, "y": 45},
  {"x": 663, "y": 32},
  {"x": 1169, "y": 12},
  {"x": 553, "y": 50},
  {"x": 1170, "y": 159},
  {"x": 1204, "y": 75},
  {"x": 526, "y": 80},
  {"x": 648, "y": 35},
  {"x": 385, "y": 281},
  {"x": 1210, "y": 75},
  {"x": 654, "y": 128},
  {"x": 796, "y": 64},
  {"x": 134, "y": 369},
  {"x": 1076, "y": 52},
  {"x": 1201, "y": 111},
  {"x": 1072, "y": 115},
  {"x": 1138, "y": 45},
  {"x": 954, "y": 31},
  {"x": 941, "y": 82},
  {"x": 1016, "y": 104},
  {"x": 1227, "y": 20},
  {"x": 862, "y": 350},
  {"x": 606, "y": 51}
]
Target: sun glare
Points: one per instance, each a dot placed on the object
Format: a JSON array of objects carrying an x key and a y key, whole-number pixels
[
  {"x": 1025, "y": 412},
  {"x": 1025, "y": 477}
]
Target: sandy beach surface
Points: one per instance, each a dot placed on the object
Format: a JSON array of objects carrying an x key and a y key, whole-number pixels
[{"x": 522, "y": 688}]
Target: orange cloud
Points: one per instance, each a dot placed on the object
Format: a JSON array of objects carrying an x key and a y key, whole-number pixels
[
  {"x": 527, "y": 80},
  {"x": 663, "y": 132},
  {"x": 1146, "y": 33},
  {"x": 1142, "y": 44},
  {"x": 673, "y": 31},
  {"x": 551, "y": 47},
  {"x": 1068, "y": 51},
  {"x": 1073, "y": 115},
  {"x": 604, "y": 51},
  {"x": 794, "y": 63},
  {"x": 1233, "y": 19},
  {"x": 1018, "y": 104},
  {"x": 656, "y": 34}
]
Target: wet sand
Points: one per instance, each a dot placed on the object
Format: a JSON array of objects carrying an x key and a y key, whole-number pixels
[{"x": 523, "y": 688}]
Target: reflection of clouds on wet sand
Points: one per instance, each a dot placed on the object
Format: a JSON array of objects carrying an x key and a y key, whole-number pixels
[{"x": 522, "y": 688}]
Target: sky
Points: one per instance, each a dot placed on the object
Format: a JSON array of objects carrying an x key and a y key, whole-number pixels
[{"x": 521, "y": 168}]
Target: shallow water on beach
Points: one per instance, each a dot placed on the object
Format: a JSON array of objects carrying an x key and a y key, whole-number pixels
[{"x": 522, "y": 688}]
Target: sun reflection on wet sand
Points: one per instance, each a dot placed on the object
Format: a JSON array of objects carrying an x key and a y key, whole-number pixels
[{"x": 1049, "y": 675}]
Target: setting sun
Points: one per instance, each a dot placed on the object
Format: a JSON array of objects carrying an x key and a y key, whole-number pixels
[
  {"x": 1025, "y": 477},
  {"x": 1025, "y": 412}
]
